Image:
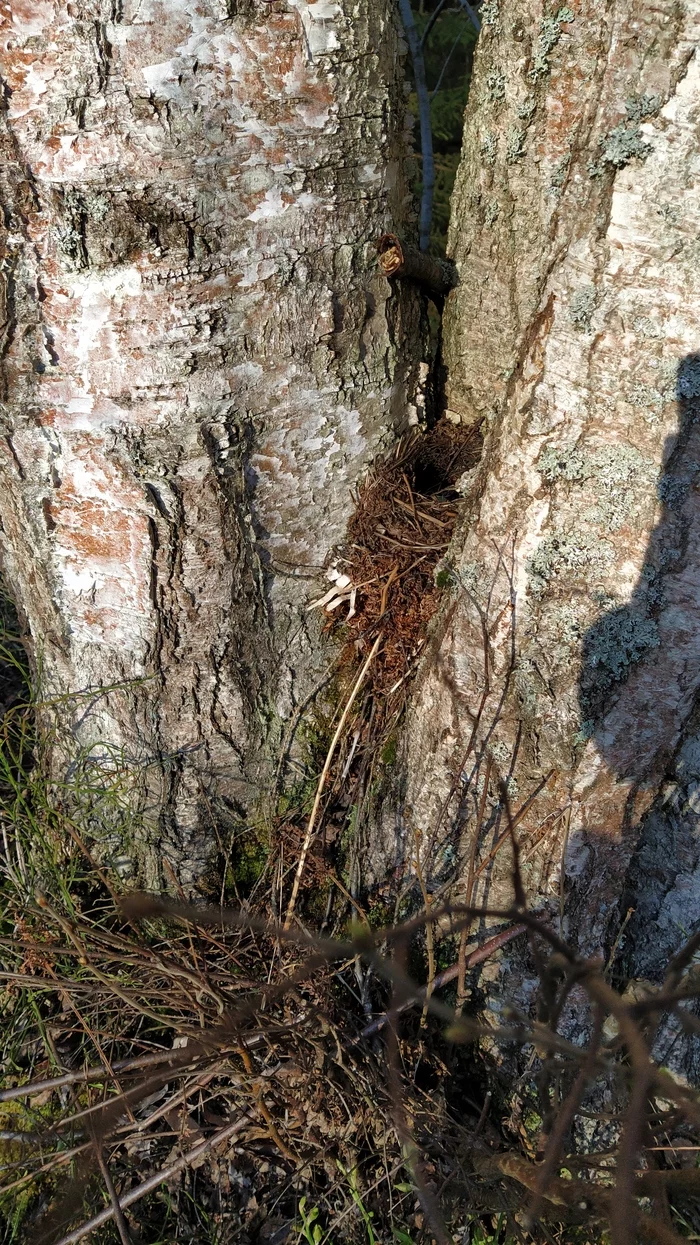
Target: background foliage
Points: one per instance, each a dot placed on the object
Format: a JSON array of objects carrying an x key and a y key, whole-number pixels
[{"x": 449, "y": 53}]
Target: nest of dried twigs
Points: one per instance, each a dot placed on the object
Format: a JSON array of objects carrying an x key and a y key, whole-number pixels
[{"x": 405, "y": 515}]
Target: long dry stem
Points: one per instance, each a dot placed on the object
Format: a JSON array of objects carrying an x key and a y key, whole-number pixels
[{"x": 324, "y": 775}]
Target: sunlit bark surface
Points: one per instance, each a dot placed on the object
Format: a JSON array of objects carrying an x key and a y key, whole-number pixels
[
  {"x": 574, "y": 334},
  {"x": 199, "y": 355}
]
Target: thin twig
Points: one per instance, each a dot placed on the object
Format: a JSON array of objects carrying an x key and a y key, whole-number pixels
[
  {"x": 161, "y": 1177},
  {"x": 461, "y": 987},
  {"x": 442, "y": 979},
  {"x": 80, "y": 1077},
  {"x": 429, "y": 933},
  {"x": 116, "y": 1208},
  {"x": 324, "y": 775}
]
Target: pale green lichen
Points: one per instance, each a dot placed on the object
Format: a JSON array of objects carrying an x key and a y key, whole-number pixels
[
  {"x": 489, "y": 148},
  {"x": 617, "y": 148},
  {"x": 547, "y": 39},
  {"x": 559, "y": 174},
  {"x": 491, "y": 212},
  {"x": 639, "y": 107},
  {"x": 668, "y": 370},
  {"x": 585, "y": 732},
  {"x": 527, "y": 683},
  {"x": 469, "y": 576},
  {"x": 527, "y": 109},
  {"x": 495, "y": 85},
  {"x": 561, "y": 462},
  {"x": 688, "y": 379},
  {"x": 620, "y": 473},
  {"x": 582, "y": 306},
  {"x": 515, "y": 146},
  {"x": 646, "y": 327},
  {"x": 618, "y": 640},
  {"x": 489, "y": 13},
  {"x": 566, "y": 625},
  {"x": 500, "y": 751},
  {"x": 647, "y": 399},
  {"x": 620, "y": 464},
  {"x": 673, "y": 491},
  {"x": 564, "y": 554},
  {"x": 670, "y": 213},
  {"x": 651, "y": 586}
]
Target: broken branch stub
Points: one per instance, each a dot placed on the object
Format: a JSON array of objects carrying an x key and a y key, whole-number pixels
[{"x": 439, "y": 276}]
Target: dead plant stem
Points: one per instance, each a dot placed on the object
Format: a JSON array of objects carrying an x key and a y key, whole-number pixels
[
  {"x": 161, "y": 1177},
  {"x": 324, "y": 775}
]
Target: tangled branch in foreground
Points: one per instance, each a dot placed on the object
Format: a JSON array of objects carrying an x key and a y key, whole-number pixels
[{"x": 237, "y": 1068}]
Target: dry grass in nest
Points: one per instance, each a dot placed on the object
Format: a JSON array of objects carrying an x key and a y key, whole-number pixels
[{"x": 402, "y": 526}]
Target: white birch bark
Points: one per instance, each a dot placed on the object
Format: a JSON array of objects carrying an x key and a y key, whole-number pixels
[{"x": 199, "y": 356}]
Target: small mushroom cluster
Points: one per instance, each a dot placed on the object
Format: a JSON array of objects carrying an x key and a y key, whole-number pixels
[{"x": 342, "y": 592}]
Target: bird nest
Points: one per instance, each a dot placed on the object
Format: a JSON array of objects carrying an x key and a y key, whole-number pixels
[{"x": 386, "y": 578}]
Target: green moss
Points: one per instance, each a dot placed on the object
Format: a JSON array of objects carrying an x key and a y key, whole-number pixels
[
  {"x": 249, "y": 857},
  {"x": 532, "y": 1122},
  {"x": 380, "y": 912},
  {"x": 388, "y": 753},
  {"x": 444, "y": 577}
]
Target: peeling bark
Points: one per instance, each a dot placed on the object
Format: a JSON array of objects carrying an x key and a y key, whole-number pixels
[
  {"x": 573, "y": 332},
  {"x": 199, "y": 356}
]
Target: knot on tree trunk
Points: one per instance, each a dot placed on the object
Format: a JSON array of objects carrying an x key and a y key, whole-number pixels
[{"x": 396, "y": 259}]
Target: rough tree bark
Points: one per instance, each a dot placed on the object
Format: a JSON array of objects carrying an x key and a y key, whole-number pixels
[
  {"x": 573, "y": 334},
  {"x": 199, "y": 355}
]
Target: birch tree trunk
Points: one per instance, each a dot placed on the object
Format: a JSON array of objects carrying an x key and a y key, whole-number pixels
[
  {"x": 199, "y": 355},
  {"x": 571, "y": 645}
]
